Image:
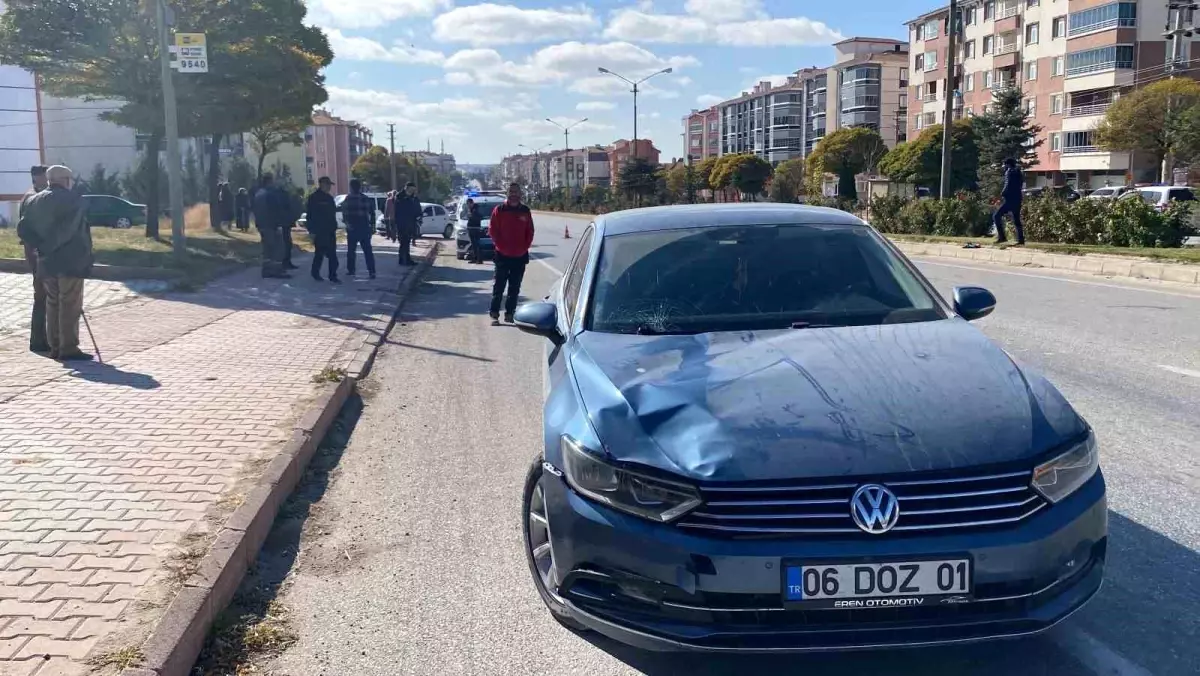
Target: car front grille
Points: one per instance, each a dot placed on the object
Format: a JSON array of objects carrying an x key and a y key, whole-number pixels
[{"x": 822, "y": 509}]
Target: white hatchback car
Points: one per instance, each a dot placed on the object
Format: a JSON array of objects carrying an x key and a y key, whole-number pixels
[
  {"x": 435, "y": 220},
  {"x": 1162, "y": 195}
]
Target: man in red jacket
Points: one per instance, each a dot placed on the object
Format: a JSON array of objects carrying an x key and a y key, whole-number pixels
[{"x": 511, "y": 230}]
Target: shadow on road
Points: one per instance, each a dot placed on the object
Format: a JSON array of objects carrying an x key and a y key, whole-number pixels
[
  {"x": 111, "y": 375},
  {"x": 239, "y": 631}
]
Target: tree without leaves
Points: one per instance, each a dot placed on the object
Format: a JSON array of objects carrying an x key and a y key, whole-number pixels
[
  {"x": 1154, "y": 120},
  {"x": 848, "y": 152},
  {"x": 919, "y": 161},
  {"x": 108, "y": 49},
  {"x": 1005, "y": 131}
]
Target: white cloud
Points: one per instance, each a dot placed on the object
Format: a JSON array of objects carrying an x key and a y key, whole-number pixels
[
  {"x": 724, "y": 10},
  {"x": 569, "y": 61},
  {"x": 775, "y": 80},
  {"x": 490, "y": 24},
  {"x": 595, "y": 105},
  {"x": 540, "y": 129},
  {"x": 353, "y": 48},
  {"x": 708, "y": 100},
  {"x": 370, "y": 13},
  {"x": 649, "y": 116},
  {"x": 607, "y": 86},
  {"x": 458, "y": 78},
  {"x": 762, "y": 31},
  {"x": 448, "y": 118}
]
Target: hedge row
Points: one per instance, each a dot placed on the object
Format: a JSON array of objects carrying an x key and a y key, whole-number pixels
[{"x": 1121, "y": 222}]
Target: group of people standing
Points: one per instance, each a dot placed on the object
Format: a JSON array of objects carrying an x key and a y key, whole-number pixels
[
  {"x": 234, "y": 208},
  {"x": 53, "y": 229},
  {"x": 274, "y": 216}
]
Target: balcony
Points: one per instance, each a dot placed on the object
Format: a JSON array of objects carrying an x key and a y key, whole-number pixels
[
  {"x": 1113, "y": 64},
  {"x": 1005, "y": 11},
  {"x": 1081, "y": 150},
  {"x": 1116, "y": 22},
  {"x": 929, "y": 98},
  {"x": 1088, "y": 110},
  {"x": 1005, "y": 47}
]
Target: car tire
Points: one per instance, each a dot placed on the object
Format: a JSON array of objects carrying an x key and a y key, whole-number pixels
[
  {"x": 460, "y": 255},
  {"x": 124, "y": 223},
  {"x": 448, "y": 232},
  {"x": 558, "y": 611}
]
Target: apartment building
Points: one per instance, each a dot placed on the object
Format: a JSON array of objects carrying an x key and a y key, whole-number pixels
[
  {"x": 1072, "y": 58},
  {"x": 332, "y": 145},
  {"x": 622, "y": 150},
  {"x": 869, "y": 85},
  {"x": 20, "y": 142}
]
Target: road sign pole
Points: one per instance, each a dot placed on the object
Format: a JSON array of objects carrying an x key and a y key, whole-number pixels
[{"x": 174, "y": 168}]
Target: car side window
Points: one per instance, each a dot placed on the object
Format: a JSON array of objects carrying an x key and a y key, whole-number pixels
[
  {"x": 428, "y": 211},
  {"x": 439, "y": 211},
  {"x": 574, "y": 278}
]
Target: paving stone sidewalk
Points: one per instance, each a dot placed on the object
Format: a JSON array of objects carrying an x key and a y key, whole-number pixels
[
  {"x": 106, "y": 471},
  {"x": 16, "y": 297}
]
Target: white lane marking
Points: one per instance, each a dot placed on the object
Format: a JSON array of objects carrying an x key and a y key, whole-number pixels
[
  {"x": 1096, "y": 655},
  {"x": 925, "y": 261},
  {"x": 549, "y": 267},
  {"x": 1183, "y": 372}
]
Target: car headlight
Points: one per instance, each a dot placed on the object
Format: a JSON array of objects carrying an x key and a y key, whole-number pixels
[
  {"x": 1064, "y": 475},
  {"x": 640, "y": 495}
]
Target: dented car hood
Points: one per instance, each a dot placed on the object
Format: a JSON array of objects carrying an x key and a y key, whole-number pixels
[{"x": 844, "y": 401}]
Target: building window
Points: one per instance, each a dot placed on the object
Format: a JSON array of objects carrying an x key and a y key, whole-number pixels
[
  {"x": 930, "y": 61},
  {"x": 904, "y": 100},
  {"x": 969, "y": 16},
  {"x": 969, "y": 49},
  {"x": 1032, "y": 3},
  {"x": 929, "y": 30},
  {"x": 1058, "y": 65},
  {"x": 919, "y": 63},
  {"x": 1031, "y": 33},
  {"x": 987, "y": 79},
  {"x": 1055, "y": 142},
  {"x": 1031, "y": 106},
  {"x": 1056, "y": 104},
  {"x": 970, "y": 82},
  {"x": 1031, "y": 70},
  {"x": 1104, "y": 17},
  {"x": 989, "y": 11},
  {"x": 1059, "y": 28},
  {"x": 987, "y": 44},
  {"x": 1100, "y": 59}
]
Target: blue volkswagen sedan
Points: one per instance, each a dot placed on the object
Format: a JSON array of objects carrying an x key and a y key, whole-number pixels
[{"x": 766, "y": 431}]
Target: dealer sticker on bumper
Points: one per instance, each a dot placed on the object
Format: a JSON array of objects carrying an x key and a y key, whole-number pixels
[{"x": 875, "y": 585}]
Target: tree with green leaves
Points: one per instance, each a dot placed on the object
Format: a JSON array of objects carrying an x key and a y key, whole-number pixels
[
  {"x": 677, "y": 183},
  {"x": 267, "y": 136},
  {"x": 100, "y": 182},
  {"x": 919, "y": 161},
  {"x": 847, "y": 152},
  {"x": 240, "y": 175},
  {"x": 749, "y": 173},
  {"x": 1005, "y": 131},
  {"x": 639, "y": 178},
  {"x": 265, "y": 63},
  {"x": 704, "y": 172},
  {"x": 1157, "y": 120},
  {"x": 787, "y": 185}
]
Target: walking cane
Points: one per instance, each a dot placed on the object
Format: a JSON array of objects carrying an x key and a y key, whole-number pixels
[{"x": 91, "y": 335}]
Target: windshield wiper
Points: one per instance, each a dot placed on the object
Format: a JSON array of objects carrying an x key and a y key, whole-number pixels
[
  {"x": 652, "y": 330},
  {"x": 811, "y": 325}
]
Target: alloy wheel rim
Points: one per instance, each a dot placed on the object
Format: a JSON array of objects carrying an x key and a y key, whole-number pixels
[{"x": 539, "y": 538}]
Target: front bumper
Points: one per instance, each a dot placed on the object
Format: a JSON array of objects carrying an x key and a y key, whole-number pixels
[
  {"x": 656, "y": 587},
  {"x": 462, "y": 243}
]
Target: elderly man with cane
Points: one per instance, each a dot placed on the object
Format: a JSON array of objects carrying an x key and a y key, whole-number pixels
[{"x": 53, "y": 223}]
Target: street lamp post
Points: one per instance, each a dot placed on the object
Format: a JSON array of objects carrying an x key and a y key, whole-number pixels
[
  {"x": 566, "y": 146},
  {"x": 664, "y": 71}
]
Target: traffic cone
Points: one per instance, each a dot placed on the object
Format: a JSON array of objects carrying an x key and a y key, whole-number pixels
[{"x": 566, "y": 232}]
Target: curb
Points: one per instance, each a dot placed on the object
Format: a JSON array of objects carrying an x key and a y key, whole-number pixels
[
  {"x": 1093, "y": 264},
  {"x": 179, "y": 635}
]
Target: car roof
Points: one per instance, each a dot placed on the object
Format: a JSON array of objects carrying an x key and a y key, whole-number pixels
[{"x": 683, "y": 217}]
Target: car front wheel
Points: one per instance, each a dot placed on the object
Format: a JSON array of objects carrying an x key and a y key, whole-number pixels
[
  {"x": 124, "y": 223},
  {"x": 538, "y": 552},
  {"x": 448, "y": 232}
]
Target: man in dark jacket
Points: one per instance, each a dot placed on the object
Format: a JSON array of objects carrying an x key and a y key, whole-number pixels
[
  {"x": 242, "y": 207},
  {"x": 54, "y": 223},
  {"x": 358, "y": 213},
  {"x": 511, "y": 230},
  {"x": 408, "y": 221},
  {"x": 474, "y": 232},
  {"x": 321, "y": 222},
  {"x": 1010, "y": 202},
  {"x": 268, "y": 215},
  {"x": 37, "y": 323},
  {"x": 295, "y": 205}
]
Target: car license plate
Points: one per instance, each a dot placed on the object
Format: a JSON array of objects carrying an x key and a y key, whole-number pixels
[{"x": 892, "y": 584}]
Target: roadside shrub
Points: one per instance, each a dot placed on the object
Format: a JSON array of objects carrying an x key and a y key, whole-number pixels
[
  {"x": 918, "y": 217},
  {"x": 1134, "y": 223},
  {"x": 885, "y": 212}
]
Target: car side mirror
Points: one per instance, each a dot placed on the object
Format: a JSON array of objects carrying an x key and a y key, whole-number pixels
[
  {"x": 973, "y": 302},
  {"x": 539, "y": 319}
]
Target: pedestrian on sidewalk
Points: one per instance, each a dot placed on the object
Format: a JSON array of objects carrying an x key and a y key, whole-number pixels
[
  {"x": 242, "y": 208},
  {"x": 1010, "y": 202},
  {"x": 267, "y": 216},
  {"x": 295, "y": 206},
  {"x": 408, "y": 221},
  {"x": 54, "y": 223},
  {"x": 389, "y": 215},
  {"x": 511, "y": 229},
  {"x": 474, "y": 232},
  {"x": 37, "y": 322},
  {"x": 225, "y": 205},
  {"x": 358, "y": 212},
  {"x": 321, "y": 222}
]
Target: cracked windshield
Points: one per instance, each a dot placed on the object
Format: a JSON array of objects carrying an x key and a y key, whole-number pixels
[{"x": 494, "y": 337}]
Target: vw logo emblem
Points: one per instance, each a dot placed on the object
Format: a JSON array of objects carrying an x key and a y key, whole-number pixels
[{"x": 874, "y": 509}]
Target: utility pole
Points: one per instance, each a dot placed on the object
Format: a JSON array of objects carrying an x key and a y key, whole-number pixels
[
  {"x": 392, "y": 152},
  {"x": 566, "y": 147},
  {"x": 1181, "y": 11},
  {"x": 664, "y": 71},
  {"x": 174, "y": 177},
  {"x": 948, "y": 121}
]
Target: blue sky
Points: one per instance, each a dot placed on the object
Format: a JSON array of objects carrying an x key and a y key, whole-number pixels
[{"x": 483, "y": 76}]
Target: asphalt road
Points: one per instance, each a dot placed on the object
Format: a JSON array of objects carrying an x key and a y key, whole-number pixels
[{"x": 410, "y": 561}]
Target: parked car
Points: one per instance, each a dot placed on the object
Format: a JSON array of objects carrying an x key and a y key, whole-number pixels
[
  {"x": 113, "y": 212},
  {"x": 1108, "y": 192},
  {"x": 765, "y": 430},
  {"x": 1162, "y": 195},
  {"x": 380, "y": 203},
  {"x": 435, "y": 220},
  {"x": 1065, "y": 192},
  {"x": 462, "y": 242}
]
